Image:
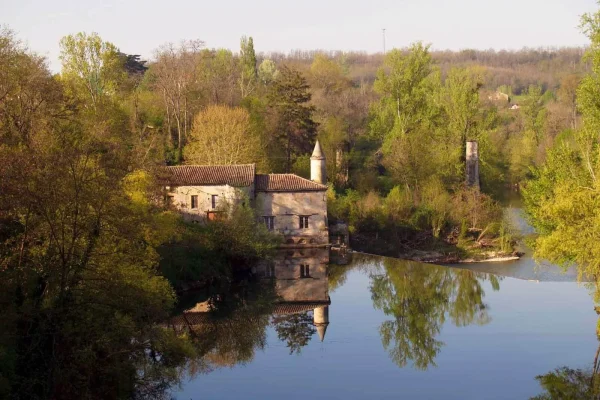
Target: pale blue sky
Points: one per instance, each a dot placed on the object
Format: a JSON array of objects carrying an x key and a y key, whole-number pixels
[{"x": 138, "y": 27}]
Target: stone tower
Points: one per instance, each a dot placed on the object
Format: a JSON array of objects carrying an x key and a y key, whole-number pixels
[
  {"x": 318, "y": 171},
  {"x": 321, "y": 320},
  {"x": 472, "y": 166}
]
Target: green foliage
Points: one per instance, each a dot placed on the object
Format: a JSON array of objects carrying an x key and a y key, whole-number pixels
[
  {"x": 248, "y": 73},
  {"x": 418, "y": 300},
  {"x": 294, "y": 129},
  {"x": 295, "y": 330},
  {"x": 93, "y": 66},
  {"x": 267, "y": 71},
  {"x": 563, "y": 196},
  {"x": 204, "y": 252},
  {"x": 567, "y": 384}
]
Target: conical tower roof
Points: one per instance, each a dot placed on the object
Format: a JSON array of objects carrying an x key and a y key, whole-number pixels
[
  {"x": 321, "y": 329},
  {"x": 317, "y": 152}
]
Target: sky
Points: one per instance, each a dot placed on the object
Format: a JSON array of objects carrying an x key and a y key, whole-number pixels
[{"x": 139, "y": 27}]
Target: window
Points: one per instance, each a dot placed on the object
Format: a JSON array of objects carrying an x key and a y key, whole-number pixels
[
  {"x": 304, "y": 271},
  {"x": 304, "y": 222},
  {"x": 269, "y": 222},
  {"x": 213, "y": 200},
  {"x": 170, "y": 200},
  {"x": 195, "y": 201}
]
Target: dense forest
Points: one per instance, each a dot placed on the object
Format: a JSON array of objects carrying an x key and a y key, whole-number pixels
[{"x": 90, "y": 257}]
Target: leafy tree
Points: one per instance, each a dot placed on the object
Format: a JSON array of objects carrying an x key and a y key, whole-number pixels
[
  {"x": 221, "y": 136},
  {"x": 418, "y": 300},
  {"x": 295, "y": 330},
  {"x": 563, "y": 196},
  {"x": 293, "y": 128},
  {"x": 248, "y": 73},
  {"x": 327, "y": 74},
  {"x": 567, "y": 95},
  {"x": 29, "y": 94},
  {"x": 267, "y": 71},
  {"x": 219, "y": 77},
  {"x": 94, "y": 66},
  {"x": 404, "y": 92}
]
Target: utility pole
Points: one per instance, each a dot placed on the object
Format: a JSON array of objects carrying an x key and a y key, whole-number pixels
[{"x": 384, "y": 41}]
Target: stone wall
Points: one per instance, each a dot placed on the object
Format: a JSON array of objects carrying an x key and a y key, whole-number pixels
[
  {"x": 286, "y": 271},
  {"x": 287, "y": 207},
  {"x": 182, "y": 199}
]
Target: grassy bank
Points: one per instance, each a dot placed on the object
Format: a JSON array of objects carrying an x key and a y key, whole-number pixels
[{"x": 431, "y": 224}]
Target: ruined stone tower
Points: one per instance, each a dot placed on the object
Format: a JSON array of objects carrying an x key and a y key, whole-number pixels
[
  {"x": 472, "y": 167},
  {"x": 318, "y": 170}
]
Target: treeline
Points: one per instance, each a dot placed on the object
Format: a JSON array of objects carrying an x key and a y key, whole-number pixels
[
  {"x": 89, "y": 254},
  {"x": 394, "y": 122},
  {"x": 563, "y": 194},
  {"x": 84, "y": 234}
]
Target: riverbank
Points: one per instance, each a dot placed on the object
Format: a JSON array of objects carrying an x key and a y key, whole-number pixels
[{"x": 427, "y": 249}]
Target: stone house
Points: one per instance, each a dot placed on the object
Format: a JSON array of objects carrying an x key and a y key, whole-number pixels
[
  {"x": 286, "y": 203},
  {"x": 301, "y": 283}
]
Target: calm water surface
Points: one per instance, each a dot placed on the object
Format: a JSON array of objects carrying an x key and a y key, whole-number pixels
[{"x": 396, "y": 329}]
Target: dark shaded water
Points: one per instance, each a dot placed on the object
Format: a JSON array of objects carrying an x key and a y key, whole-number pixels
[{"x": 395, "y": 329}]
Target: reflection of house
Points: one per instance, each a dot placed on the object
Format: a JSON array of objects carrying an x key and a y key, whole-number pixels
[
  {"x": 301, "y": 283},
  {"x": 286, "y": 203}
]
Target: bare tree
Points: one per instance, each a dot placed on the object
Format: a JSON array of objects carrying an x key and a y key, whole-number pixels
[{"x": 176, "y": 77}]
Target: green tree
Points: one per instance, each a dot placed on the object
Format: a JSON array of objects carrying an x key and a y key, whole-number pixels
[
  {"x": 563, "y": 197},
  {"x": 248, "y": 73},
  {"x": 267, "y": 71},
  {"x": 418, "y": 300},
  {"x": 221, "y": 136},
  {"x": 93, "y": 66},
  {"x": 295, "y": 330},
  {"x": 293, "y": 128},
  {"x": 402, "y": 84}
]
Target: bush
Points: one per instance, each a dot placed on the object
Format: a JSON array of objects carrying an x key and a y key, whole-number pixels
[{"x": 214, "y": 249}]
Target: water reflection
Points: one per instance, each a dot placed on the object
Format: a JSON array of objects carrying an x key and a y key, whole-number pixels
[
  {"x": 419, "y": 298},
  {"x": 289, "y": 293},
  {"x": 568, "y": 383},
  {"x": 292, "y": 296},
  {"x": 302, "y": 309}
]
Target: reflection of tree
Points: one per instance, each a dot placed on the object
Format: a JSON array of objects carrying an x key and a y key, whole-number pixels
[
  {"x": 568, "y": 384},
  {"x": 419, "y": 297},
  {"x": 572, "y": 384},
  {"x": 337, "y": 275},
  {"x": 226, "y": 342},
  {"x": 294, "y": 329},
  {"x": 234, "y": 329}
]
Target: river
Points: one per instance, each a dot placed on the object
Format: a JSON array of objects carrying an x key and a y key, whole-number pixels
[{"x": 392, "y": 328}]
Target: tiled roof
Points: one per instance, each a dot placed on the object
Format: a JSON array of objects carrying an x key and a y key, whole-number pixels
[
  {"x": 234, "y": 175},
  {"x": 286, "y": 183},
  {"x": 294, "y": 308}
]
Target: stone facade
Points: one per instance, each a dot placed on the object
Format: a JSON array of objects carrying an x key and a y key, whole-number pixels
[
  {"x": 301, "y": 282},
  {"x": 286, "y": 203},
  {"x": 287, "y": 209},
  {"x": 209, "y": 199},
  {"x": 294, "y": 282}
]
